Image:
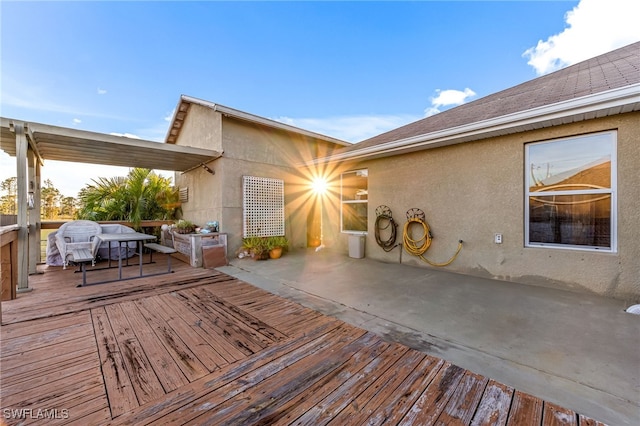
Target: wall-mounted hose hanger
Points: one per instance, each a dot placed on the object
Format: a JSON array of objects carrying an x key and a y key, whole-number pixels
[
  {"x": 386, "y": 225},
  {"x": 419, "y": 246}
]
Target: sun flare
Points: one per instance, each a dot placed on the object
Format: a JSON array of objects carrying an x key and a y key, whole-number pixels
[{"x": 319, "y": 185}]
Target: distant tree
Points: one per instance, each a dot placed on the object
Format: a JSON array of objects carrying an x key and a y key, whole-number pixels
[
  {"x": 50, "y": 198},
  {"x": 141, "y": 195},
  {"x": 67, "y": 206},
  {"x": 8, "y": 200}
]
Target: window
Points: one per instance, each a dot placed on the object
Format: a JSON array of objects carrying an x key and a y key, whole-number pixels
[
  {"x": 354, "y": 201},
  {"x": 571, "y": 192}
]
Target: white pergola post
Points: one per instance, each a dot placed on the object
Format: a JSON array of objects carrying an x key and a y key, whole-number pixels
[
  {"x": 33, "y": 189},
  {"x": 22, "y": 148}
]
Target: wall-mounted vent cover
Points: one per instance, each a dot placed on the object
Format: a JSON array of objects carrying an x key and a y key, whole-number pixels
[
  {"x": 263, "y": 206},
  {"x": 183, "y": 193}
]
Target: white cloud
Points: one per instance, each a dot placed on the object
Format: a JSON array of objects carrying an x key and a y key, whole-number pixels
[
  {"x": 350, "y": 128},
  {"x": 101, "y": 91},
  {"x": 449, "y": 97},
  {"x": 169, "y": 116},
  {"x": 594, "y": 27},
  {"x": 77, "y": 121}
]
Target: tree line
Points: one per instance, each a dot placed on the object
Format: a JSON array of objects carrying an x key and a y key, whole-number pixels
[{"x": 141, "y": 195}]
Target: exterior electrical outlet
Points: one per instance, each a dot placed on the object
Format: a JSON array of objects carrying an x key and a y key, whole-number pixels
[{"x": 498, "y": 238}]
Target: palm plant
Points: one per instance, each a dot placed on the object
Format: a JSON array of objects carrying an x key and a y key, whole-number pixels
[{"x": 141, "y": 195}]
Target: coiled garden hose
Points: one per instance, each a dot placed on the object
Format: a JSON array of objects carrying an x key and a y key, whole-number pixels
[
  {"x": 418, "y": 247},
  {"x": 384, "y": 222}
]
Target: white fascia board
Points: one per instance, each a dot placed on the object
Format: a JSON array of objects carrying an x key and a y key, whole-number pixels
[
  {"x": 261, "y": 120},
  {"x": 615, "y": 98}
]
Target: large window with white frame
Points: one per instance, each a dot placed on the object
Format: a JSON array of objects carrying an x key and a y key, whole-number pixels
[
  {"x": 354, "y": 201},
  {"x": 570, "y": 197}
]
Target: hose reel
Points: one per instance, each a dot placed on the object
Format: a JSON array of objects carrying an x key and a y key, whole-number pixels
[
  {"x": 419, "y": 246},
  {"x": 384, "y": 222}
]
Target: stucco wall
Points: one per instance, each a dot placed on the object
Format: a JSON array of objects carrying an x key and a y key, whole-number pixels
[
  {"x": 474, "y": 190},
  {"x": 248, "y": 150},
  {"x": 202, "y": 128},
  {"x": 254, "y": 150}
]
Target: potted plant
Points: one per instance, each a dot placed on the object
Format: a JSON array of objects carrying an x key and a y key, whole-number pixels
[
  {"x": 276, "y": 244},
  {"x": 185, "y": 227},
  {"x": 257, "y": 247}
]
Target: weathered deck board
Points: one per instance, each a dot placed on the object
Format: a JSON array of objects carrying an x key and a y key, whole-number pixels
[
  {"x": 399, "y": 400},
  {"x": 45, "y": 338},
  {"x": 266, "y": 333},
  {"x": 435, "y": 397},
  {"x": 196, "y": 343},
  {"x": 525, "y": 410},
  {"x": 494, "y": 405},
  {"x": 585, "y": 421},
  {"x": 48, "y": 304},
  {"x": 14, "y": 368},
  {"x": 120, "y": 390},
  {"x": 235, "y": 377},
  {"x": 225, "y": 352},
  {"x": 553, "y": 415},
  {"x": 364, "y": 405},
  {"x": 243, "y": 340},
  {"x": 147, "y": 386},
  {"x": 466, "y": 397},
  {"x": 200, "y": 347},
  {"x": 178, "y": 350},
  {"x": 326, "y": 400},
  {"x": 298, "y": 375}
]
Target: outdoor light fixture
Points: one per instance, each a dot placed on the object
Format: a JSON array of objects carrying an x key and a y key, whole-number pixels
[
  {"x": 31, "y": 202},
  {"x": 208, "y": 169}
]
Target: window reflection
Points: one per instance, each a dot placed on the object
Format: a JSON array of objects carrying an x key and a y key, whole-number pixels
[{"x": 570, "y": 198}]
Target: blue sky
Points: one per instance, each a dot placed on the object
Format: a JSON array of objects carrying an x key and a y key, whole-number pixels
[{"x": 350, "y": 70}]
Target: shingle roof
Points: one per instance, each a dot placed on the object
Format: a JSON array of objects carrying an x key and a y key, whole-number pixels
[{"x": 612, "y": 70}]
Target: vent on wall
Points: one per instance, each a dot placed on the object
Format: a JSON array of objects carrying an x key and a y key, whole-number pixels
[
  {"x": 263, "y": 206},
  {"x": 183, "y": 193}
]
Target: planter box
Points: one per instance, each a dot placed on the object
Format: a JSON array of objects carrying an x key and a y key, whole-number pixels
[{"x": 190, "y": 246}]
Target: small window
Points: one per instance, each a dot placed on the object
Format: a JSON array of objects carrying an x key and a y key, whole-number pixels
[
  {"x": 571, "y": 193},
  {"x": 354, "y": 201}
]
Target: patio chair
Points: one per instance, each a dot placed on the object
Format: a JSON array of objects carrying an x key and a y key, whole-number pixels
[
  {"x": 78, "y": 235},
  {"x": 120, "y": 251}
]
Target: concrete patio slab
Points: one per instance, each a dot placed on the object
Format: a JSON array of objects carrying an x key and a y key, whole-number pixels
[{"x": 577, "y": 350}]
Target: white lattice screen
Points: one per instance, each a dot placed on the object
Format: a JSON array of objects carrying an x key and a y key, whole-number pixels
[{"x": 263, "y": 206}]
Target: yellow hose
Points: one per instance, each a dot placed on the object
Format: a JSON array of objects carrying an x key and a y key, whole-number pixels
[{"x": 420, "y": 246}]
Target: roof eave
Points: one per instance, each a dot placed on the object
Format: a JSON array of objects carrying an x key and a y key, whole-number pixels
[
  {"x": 231, "y": 112},
  {"x": 611, "y": 102},
  {"x": 82, "y": 146}
]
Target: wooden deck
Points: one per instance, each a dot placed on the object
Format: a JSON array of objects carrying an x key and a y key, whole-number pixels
[{"x": 200, "y": 347}]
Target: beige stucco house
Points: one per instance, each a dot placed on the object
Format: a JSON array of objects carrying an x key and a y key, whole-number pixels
[
  {"x": 256, "y": 147},
  {"x": 541, "y": 181}
]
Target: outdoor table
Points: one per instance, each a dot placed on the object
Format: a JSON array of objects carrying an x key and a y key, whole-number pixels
[{"x": 138, "y": 237}]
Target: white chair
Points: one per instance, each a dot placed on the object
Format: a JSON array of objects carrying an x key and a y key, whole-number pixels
[
  {"x": 75, "y": 235},
  {"x": 119, "y": 251}
]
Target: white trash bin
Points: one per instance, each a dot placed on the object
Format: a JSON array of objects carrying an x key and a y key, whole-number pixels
[{"x": 356, "y": 246}]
